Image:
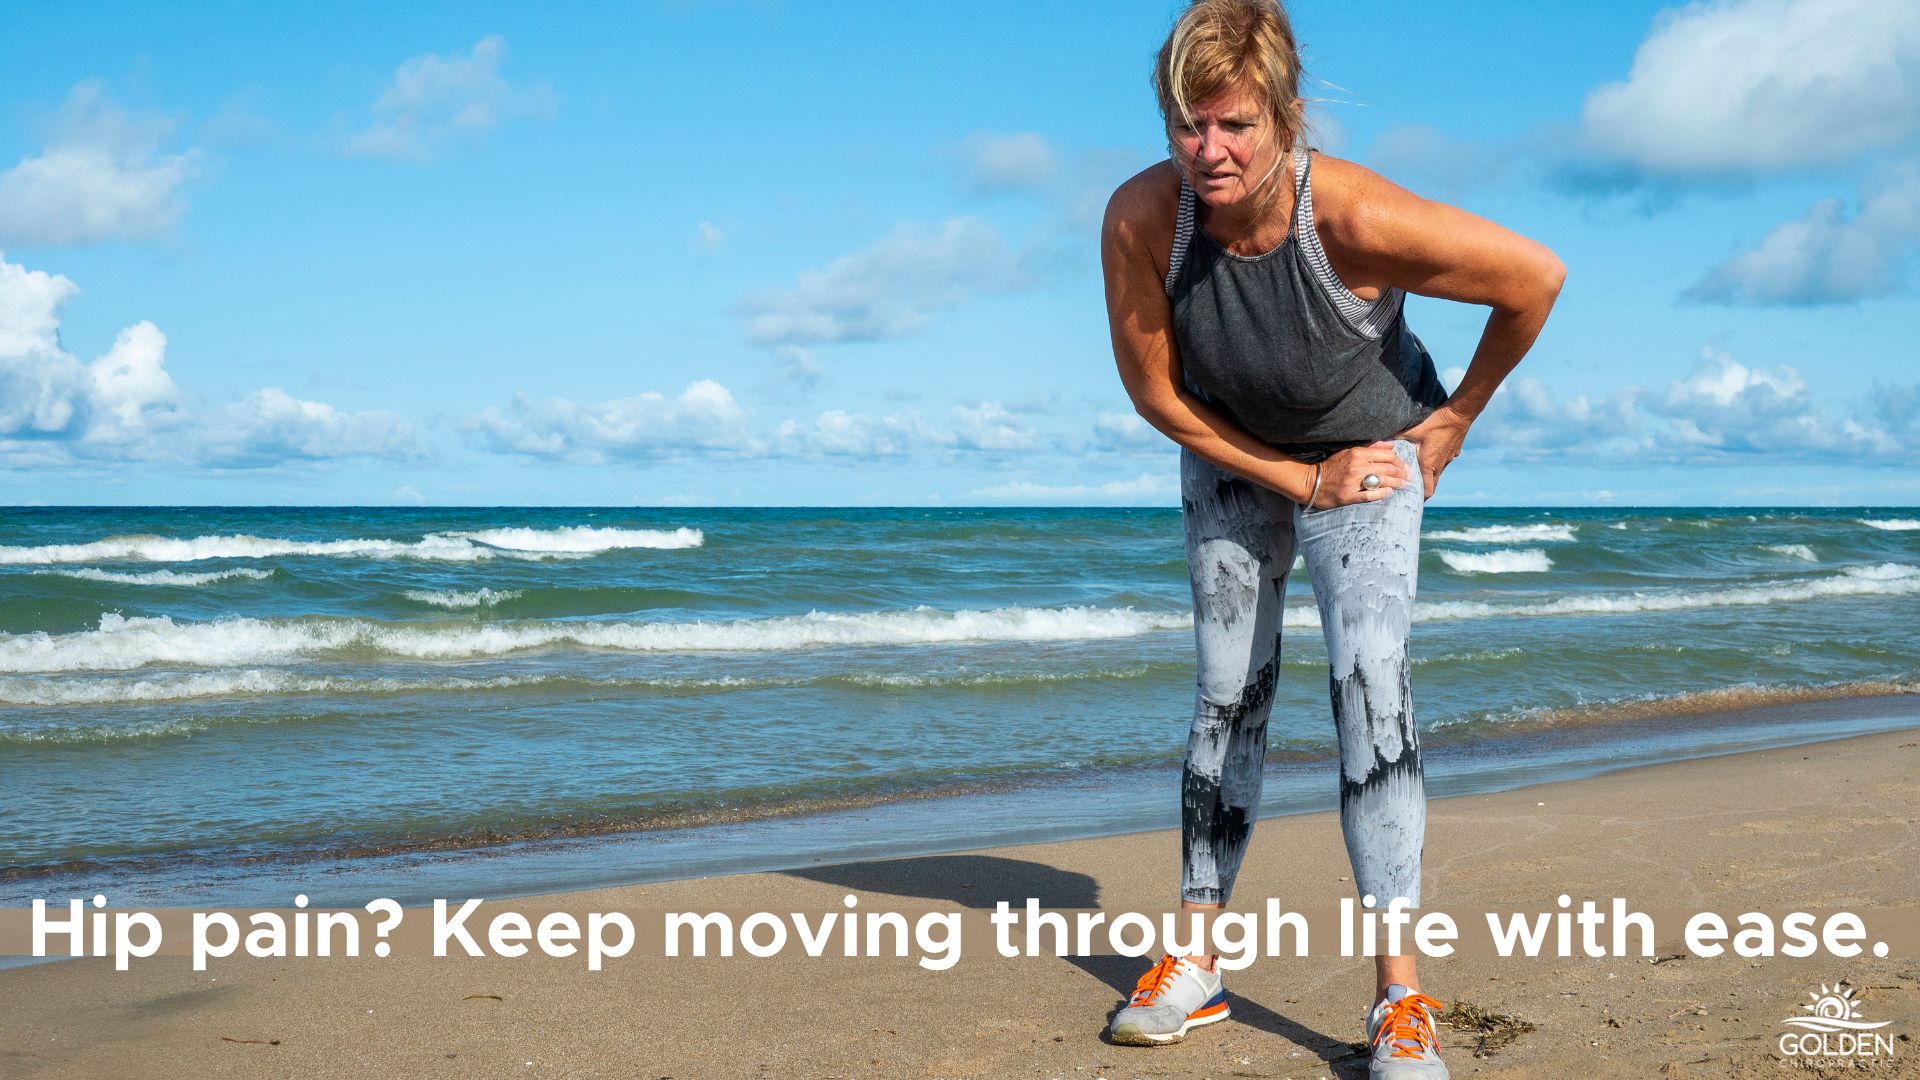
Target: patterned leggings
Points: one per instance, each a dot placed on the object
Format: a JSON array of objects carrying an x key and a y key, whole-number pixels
[{"x": 1363, "y": 560}]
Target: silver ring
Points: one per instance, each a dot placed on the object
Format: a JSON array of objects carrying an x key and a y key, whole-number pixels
[{"x": 1370, "y": 481}]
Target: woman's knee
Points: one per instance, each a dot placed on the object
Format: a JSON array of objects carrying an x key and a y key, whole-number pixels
[
  {"x": 1229, "y": 696},
  {"x": 1236, "y": 612}
]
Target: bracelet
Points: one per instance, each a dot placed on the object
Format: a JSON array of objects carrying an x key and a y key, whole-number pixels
[{"x": 1315, "y": 493}]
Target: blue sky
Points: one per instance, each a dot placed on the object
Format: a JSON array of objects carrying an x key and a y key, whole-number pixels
[{"x": 778, "y": 253}]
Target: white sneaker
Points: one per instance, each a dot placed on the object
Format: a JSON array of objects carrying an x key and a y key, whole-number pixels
[
  {"x": 1400, "y": 1032},
  {"x": 1173, "y": 997}
]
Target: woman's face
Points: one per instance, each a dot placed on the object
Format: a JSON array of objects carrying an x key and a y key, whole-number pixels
[{"x": 1227, "y": 147}]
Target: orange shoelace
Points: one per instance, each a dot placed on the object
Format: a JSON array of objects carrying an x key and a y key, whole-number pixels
[
  {"x": 1410, "y": 1020},
  {"x": 1155, "y": 981}
]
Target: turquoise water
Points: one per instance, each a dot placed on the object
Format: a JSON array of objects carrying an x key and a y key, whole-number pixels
[{"x": 182, "y": 689}]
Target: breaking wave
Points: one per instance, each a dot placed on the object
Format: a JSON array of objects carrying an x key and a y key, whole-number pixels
[
  {"x": 1504, "y": 561},
  {"x": 473, "y": 546},
  {"x": 583, "y": 539},
  {"x": 1505, "y": 534},
  {"x": 126, "y": 643},
  {"x": 1883, "y": 579},
  {"x": 452, "y": 598},
  {"x": 123, "y": 644},
  {"x": 159, "y": 577}
]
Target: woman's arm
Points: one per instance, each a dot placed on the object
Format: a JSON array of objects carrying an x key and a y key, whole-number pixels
[
  {"x": 1378, "y": 234},
  {"x": 1141, "y": 318}
]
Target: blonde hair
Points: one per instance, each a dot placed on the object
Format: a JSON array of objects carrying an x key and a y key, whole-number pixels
[{"x": 1214, "y": 47}]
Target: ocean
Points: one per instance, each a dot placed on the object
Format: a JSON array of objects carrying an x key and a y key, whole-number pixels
[{"x": 231, "y": 705}]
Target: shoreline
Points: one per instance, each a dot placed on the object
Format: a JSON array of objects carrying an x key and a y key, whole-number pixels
[
  {"x": 1063, "y": 806},
  {"x": 1827, "y": 824}
]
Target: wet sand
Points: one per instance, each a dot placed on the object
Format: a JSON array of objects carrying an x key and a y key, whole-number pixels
[{"x": 1825, "y": 826}]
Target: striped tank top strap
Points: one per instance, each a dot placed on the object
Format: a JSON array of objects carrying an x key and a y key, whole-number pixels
[
  {"x": 1182, "y": 234},
  {"x": 1369, "y": 317}
]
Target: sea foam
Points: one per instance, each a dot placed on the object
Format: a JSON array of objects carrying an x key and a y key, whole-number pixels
[
  {"x": 126, "y": 643},
  {"x": 123, "y": 644},
  {"x": 160, "y": 577},
  {"x": 258, "y": 682},
  {"x": 1883, "y": 579},
  {"x": 581, "y": 538},
  {"x": 1505, "y": 534},
  {"x": 450, "y": 598},
  {"x": 473, "y": 546},
  {"x": 1504, "y": 561}
]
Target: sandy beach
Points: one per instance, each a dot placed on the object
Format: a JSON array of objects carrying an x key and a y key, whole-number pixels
[
  {"x": 1823, "y": 826},
  {"x": 946, "y": 526}
]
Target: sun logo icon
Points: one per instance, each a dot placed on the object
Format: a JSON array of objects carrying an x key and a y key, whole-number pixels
[
  {"x": 1833, "y": 1009},
  {"x": 1834, "y": 1004}
]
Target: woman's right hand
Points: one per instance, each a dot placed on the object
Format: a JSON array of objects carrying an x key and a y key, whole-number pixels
[{"x": 1342, "y": 471}]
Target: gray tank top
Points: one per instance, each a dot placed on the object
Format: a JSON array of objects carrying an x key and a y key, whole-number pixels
[{"x": 1279, "y": 343}]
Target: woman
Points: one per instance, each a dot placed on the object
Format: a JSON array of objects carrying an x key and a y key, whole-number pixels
[{"x": 1254, "y": 288}]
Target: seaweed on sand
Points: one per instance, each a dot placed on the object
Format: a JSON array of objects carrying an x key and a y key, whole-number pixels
[{"x": 1493, "y": 1030}]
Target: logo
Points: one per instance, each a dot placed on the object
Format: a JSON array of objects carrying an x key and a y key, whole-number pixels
[{"x": 1833, "y": 1033}]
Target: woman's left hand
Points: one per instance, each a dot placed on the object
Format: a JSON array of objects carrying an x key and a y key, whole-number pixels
[{"x": 1438, "y": 440}]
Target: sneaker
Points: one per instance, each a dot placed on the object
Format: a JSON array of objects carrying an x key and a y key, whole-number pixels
[
  {"x": 1174, "y": 996},
  {"x": 1400, "y": 1031}
]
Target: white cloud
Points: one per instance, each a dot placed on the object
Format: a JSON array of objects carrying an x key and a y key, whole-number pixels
[
  {"x": 704, "y": 418},
  {"x": 30, "y": 302},
  {"x": 1761, "y": 85},
  {"x": 1721, "y": 412},
  {"x": 1721, "y": 381},
  {"x": 1732, "y": 409},
  {"x": 56, "y": 411},
  {"x": 991, "y": 163},
  {"x": 1125, "y": 431},
  {"x": 706, "y": 421},
  {"x": 435, "y": 101},
  {"x": 1147, "y": 487},
  {"x": 986, "y": 427},
  {"x": 894, "y": 287},
  {"x": 42, "y": 388},
  {"x": 100, "y": 177},
  {"x": 708, "y": 237},
  {"x": 1525, "y": 422},
  {"x": 130, "y": 392},
  {"x": 886, "y": 290},
  {"x": 842, "y": 434},
  {"x": 271, "y": 427},
  {"x": 991, "y": 426},
  {"x": 1824, "y": 256}
]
